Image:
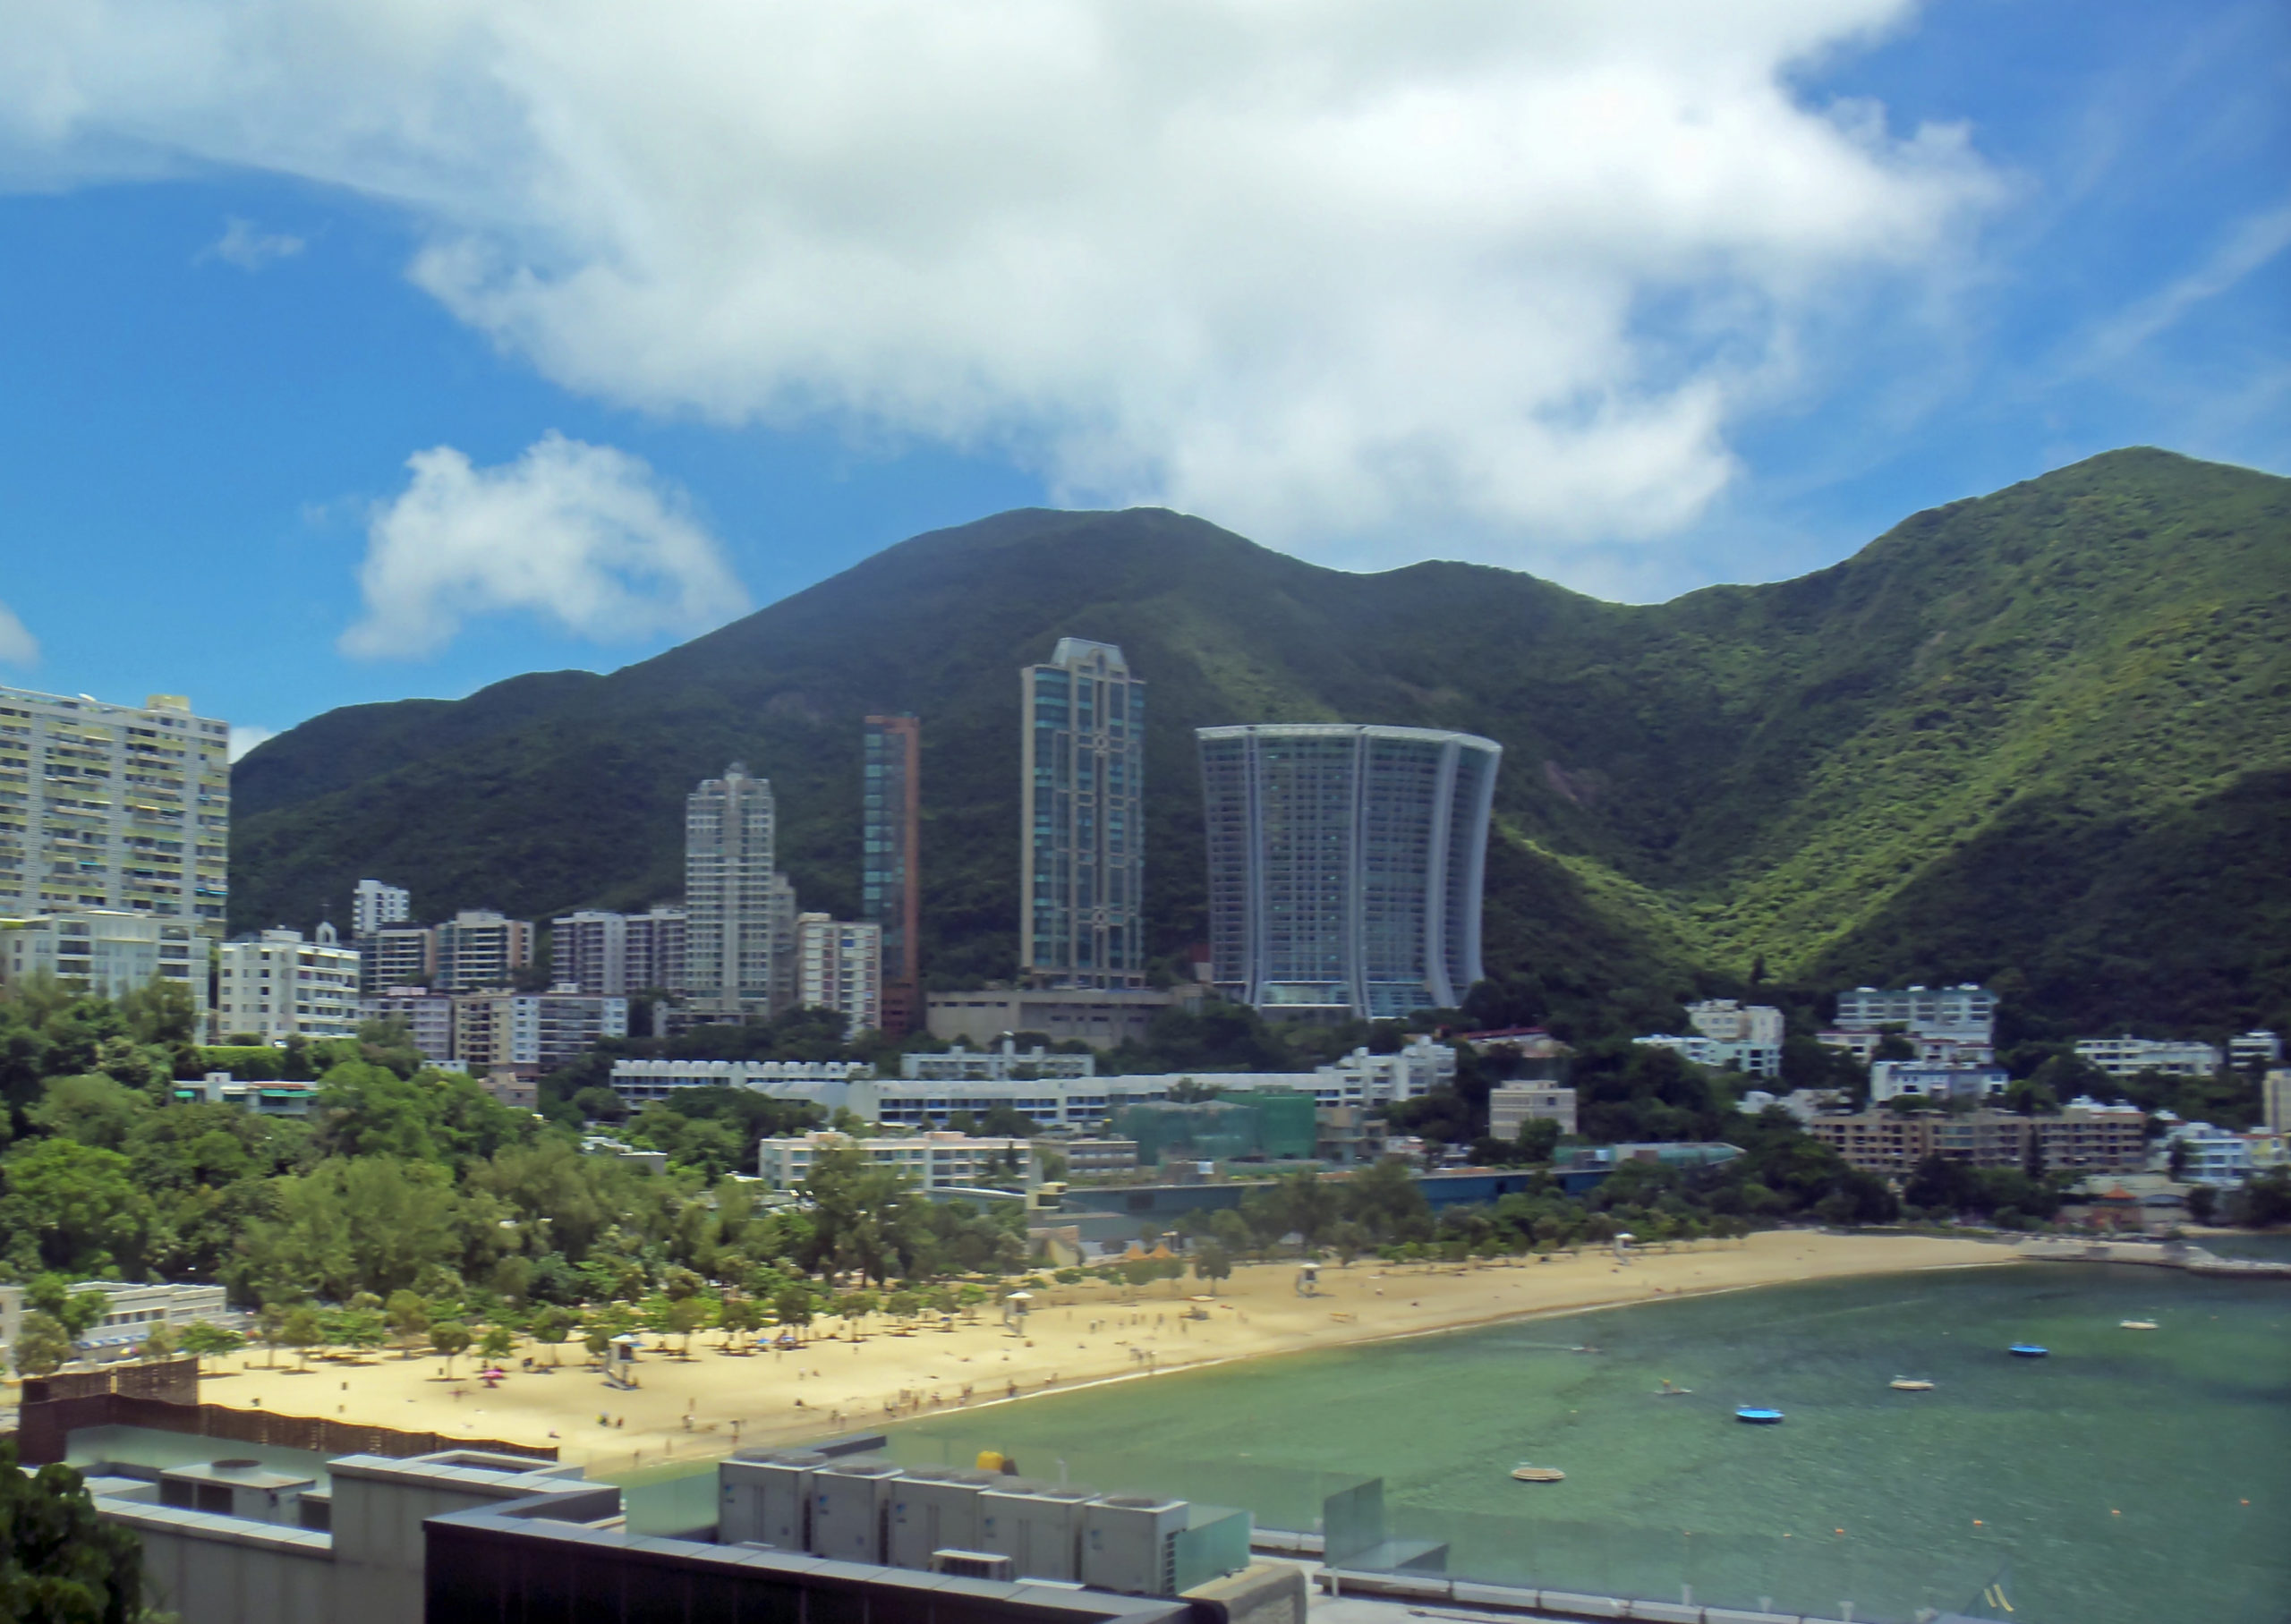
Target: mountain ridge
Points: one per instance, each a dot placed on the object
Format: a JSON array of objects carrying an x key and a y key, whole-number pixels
[{"x": 1792, "y": 770}]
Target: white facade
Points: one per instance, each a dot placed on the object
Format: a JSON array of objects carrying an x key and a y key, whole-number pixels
[
  {"x": 1511, "y": 1105},
  {"x": 840, "y": 966},
  {"x": 276, "y": 985},
  {"x": 133, "y": 1310},
  {"x": 825, "y": 1082},
  {"x": 933, "y": 1160},
  {"x": 2128, "y": 1057},
  {"x": 1731, "y": 1023},
  {"x": 1890, "y": 1079},
  {"x": 2215, "y": 1155},
  {"x": 2275, "y": 1101},
  {"x": 111, "y": 807},
  {"x": 265, "y": 1099},
  {"x": 373, "y": 904},
  {"x": 109, "y": 952},
  {"x": 1964, "y": 1011},
  {"x": 1001, "y": 1063},
  {"x": 1750, "y": 1034},
  {"x": 2256, "y": 1049},
  {"x": 1753, "y": 1059}
]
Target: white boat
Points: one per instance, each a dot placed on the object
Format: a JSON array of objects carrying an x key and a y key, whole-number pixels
[
  {"x": 2137, "y": 1324},
  {"x": 1909, "y": 1384},
  {"x": 1525, "y": 1473}
]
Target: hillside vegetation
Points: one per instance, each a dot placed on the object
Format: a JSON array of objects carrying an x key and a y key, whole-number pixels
[{"x": 2044, "y": 735}]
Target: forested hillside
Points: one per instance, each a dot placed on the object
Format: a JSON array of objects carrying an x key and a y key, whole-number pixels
[{"x": 2045, "y": 735}]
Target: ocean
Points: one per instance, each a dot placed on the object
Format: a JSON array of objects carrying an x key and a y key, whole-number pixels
[{"x": 2129, "y": 1477}]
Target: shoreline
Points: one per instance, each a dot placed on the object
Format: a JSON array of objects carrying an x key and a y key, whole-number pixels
[{"x": 702, "y": 1405}]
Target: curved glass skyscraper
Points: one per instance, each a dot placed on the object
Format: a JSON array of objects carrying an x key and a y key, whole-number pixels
[{"x": 1345, "y": 865}]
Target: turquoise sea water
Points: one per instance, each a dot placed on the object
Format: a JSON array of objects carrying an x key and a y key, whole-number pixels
[{"x": 2132, "y": 1476}]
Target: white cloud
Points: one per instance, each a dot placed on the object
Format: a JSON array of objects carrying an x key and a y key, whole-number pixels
[
  {"x": 1364, "y": 277},
  {"x": 581, "y": 535},
  {"x": 18, "y": 646},
  {"x": 246, "y": 735},
  {"x": 250, "y": 249}
]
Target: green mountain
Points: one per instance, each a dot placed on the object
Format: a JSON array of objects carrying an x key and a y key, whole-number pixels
[{"x": 2044, "y": 735}]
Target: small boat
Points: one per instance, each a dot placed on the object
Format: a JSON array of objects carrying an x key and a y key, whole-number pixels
[
  {"x": 1668, "y": 1392},
  {"x": 2029, "y": 1351},
  {"x": 1909, "y": 1384},
  {"x": 1756, "y": 1416},
  {"x": 1524, "y": 1473},
  {"x": 2137, "y": 1324}
]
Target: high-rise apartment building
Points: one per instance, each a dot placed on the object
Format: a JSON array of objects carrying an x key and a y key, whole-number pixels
[
  {"x": 619, "y": 954},
  {"x": 1082, "y": 853},
  {"x": 374, "y": 904},
  {"x": 656, "y": 950},
  {"x": 428, "y": 1018},
  {"x": 397, "y": 956},
  {"x": 108, "y": 952},
  {"x": 840, "y": 966},
  {"x": 1345, "y": 865},
  {"x": 533, "y": 1031},
  {"x": 113, "y": 808},
  {"x": 890, "y": 876},
  {"x": 276, "y": 985},
  {"x": 739, "y": 911},
  {"x": 479, "y": 948}
]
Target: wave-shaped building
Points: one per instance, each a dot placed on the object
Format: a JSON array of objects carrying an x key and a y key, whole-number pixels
[{"x": 1346, "y": 864}]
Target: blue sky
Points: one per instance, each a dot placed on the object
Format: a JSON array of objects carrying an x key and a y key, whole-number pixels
[{"x": 689, "y": 356}]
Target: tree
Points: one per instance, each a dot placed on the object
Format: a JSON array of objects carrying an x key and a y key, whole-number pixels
[
  {"x": 206, "y": 1341},
  {"x": 42, "y": 1345},
  {"x": 497, "y": 1343},
  {"x": 77, "y": 1312},
  {"x": 791, "y": 1306},
  {"x": 687, "y": 1316},
  {"x": 60, "y": 1563},
  {"x": 301, "y": 1331},
  {"x": 408, "y": 1316},
  {"x": 161, "y": 1342},
  {"x": 1212, "y": 1263},
  {"x": 73, "y": 1209},
  {"x": 548, "y": 1327},
  {"x": 448, "y": 1337},
  {"x": 2203, "y": 1202}
]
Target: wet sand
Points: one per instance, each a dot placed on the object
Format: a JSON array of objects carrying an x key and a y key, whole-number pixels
[{"x": 717, "y": 1400}]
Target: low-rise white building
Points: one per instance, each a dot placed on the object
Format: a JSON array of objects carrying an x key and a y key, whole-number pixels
[
  {"x": 1751, "y": 1059},
  {"x": 1964, "y": 1011},
  {"x": 277, "y": 986},
  {"x": 135, "y": 1310},
  {"x": 265, "y": 1099},
  {"x": 2128, "y": 1057},
  {"x": 1003, "y": 1062},
  {"x": 1511, "y": 1105},
  {"x": 934, "y": 1160},
  {"x": 826, "y": 1084},
  {"x": 2256, "y": 1050},
  {"x": 2216, "y": 1156},
  {"x": 1892, "y": 1079}
]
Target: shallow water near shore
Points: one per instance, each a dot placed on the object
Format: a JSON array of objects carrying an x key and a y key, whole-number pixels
[{"x": 2131, "y": 1475}]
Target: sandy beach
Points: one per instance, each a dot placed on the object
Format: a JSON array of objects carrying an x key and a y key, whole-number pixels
[{"x": 717, "y": 1400}]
